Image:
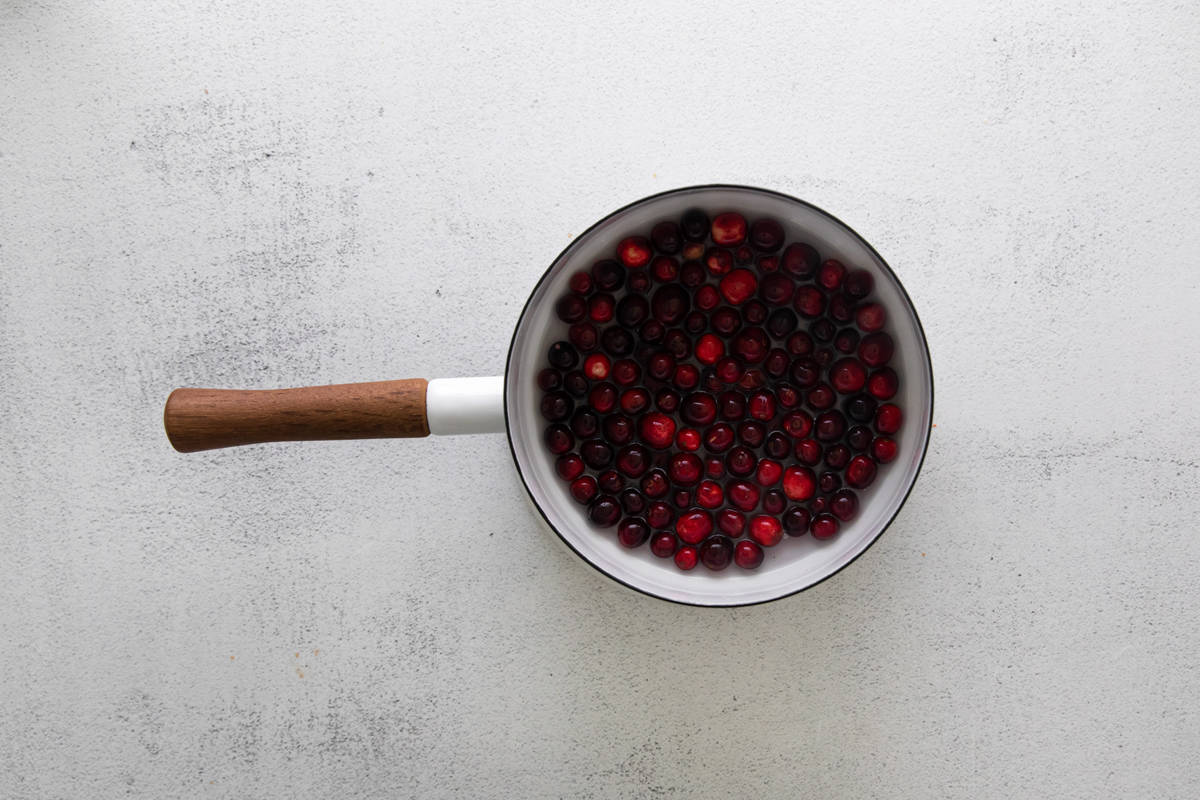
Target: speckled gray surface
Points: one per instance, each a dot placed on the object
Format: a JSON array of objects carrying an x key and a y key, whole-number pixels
[{"x": 269, "y": 194}]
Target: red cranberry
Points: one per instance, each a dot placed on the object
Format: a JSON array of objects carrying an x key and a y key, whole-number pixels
[
  {"x": 823, "y": 331},
  {"x": 584, "y": 488},
  {"x": 861, "y": 408},
  {"x": 667, "y": 400},
  {"x": 751, "y": 345},
  {"x": 571, "y": 308},
  {"x": 549, "y": 379},
  {"x": 800, "y": 260},
  {"x": 859, "y": 438},
  {"x": 694, "y": 224},
  {"x": 633, "y": 532},
  {"x": 693, "y": 526},
  {"x": 747, "y": 554},
  {"x": 718, "y": 438},
  {"x": 714, "y": 466},
  {"x": 730, "y": 522},
  {"x": 709, "y": 349},
  {"x": 799, "y": 483},
  {"x": 699, "y": 408},
  {"x": 728, "y": 370},
  {"x": 581, "y": 282},
  {"x": 633, "y": 460},
  {"x": 830, "y": 426},
  {"x": 829, "y": 482},
  {"x": 743, "y": 495},
  {"x": 663, "y": 545},
  {"x": 596, "y": 453},
  {"x": 657, "y": 430},
  {"x": 883, "y": 383},
  {"x": 670, "y": 303},
  {"x": 752, "y": 379},
  {"x": 639, "y": 281},
  {"x": 692, "y": 274},
  {"x": 597, "y": 366},
  {"x": 655, "y": 484},
  {"x": 604, "y": 511},
  {"x": 667, "y": 237},
  {"x": 871, "y": 317},
  {"x": 729, "y": 229},
  {"x": 797, "y": 424},
  {"x": 768, "y": 472},
  {"x": 876, "y": 349},
  {"x": 608, "y": 275},
  {"x": 755, "y": 312},
  {"x": 610, "y": 481},
  {"x": 888, "y": 418},
  {"x": 778, "y": 446},
  {"x": 795, "y": 521},
  {"x": 766, "y": 235},
  {"x": 569, "y": 466},
  {"x": 635, "y": 401},
  {"x": 806, "y": 372},
  {"x": 808, "y": 451},
  {"x": 557, "y": 406},
  {"x": 740, "y": 461},
  {"x": 841, "y": 308},
  {"x": 716, "y": 552},
  {"x": 768, "y": 263},
  {"x": 725, "y": 320},
  {"x": 686, "y": 558},
  {"x": 846, "y": 341},
  {"x": 693, "y": 251},
  {"x": 633, "y": 502},
  {"x": 659, "y": 515},
  {"x": 777, "y": 363},
  {"x": 707, "y": 298},
  {"x": 844, "y": 505},
  {"x": 660, "y": 366},
  {"x": 626, "y": 372},
  {"x": 761, "y": 405},
  {"x": 585, "y": 423},
  {"x": 861, "y": 472},
  {"x": 884, "y": 449},
  {"x": 652, "y": 331},
  {"x": 618, "y": 429},
  {"x": 831, "y": 274},
  {"x": 685, "y": 469},
  {"x": 766, "y": 530},
  {"x": 682, "y": 498},
  {"x": 688, "y": 439},
  {"x": 824, "y": 526},
  {"x": 664, "y": 269},
  {"x": 601, "y": 307},
  {"x": 752, "y": 433},
  {"x": 686, "y": 376},
  {"x": 777, "y": 289},
  {"x": 709, "y": 494},
  {"x": 848, "y": 375},
  {"x": 559, "y": 439},
  {"x": 800, "y": 344},
  {"x": 739, "y": 286},
  {"x": 787, "y": 395},
  {"x": 809, "y": 301},
  {"x": 858, "y": 284},
  {"x": 718, "y": 260}
]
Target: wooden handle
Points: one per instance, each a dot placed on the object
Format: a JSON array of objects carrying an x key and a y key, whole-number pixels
[{"x": 204, "y": 419}]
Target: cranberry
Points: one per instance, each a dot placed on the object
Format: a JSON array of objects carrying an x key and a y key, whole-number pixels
[
  {"x": 664, "y": 269},
  {"x": 659, "y": 515},
  {"x": 777, "y": 289},
  {"x": 693, "y": 251},
  {"x": 778, "y": 446},
  {"x": 635, "y": 401},
  {"x": 633, "y": 502},
  {"x": 800, "y": 343},
  {"x": 859, "y": 438},
  {"x": 682, "y": 498},
  {"x": 846, "y": 340},
  {"x": 797, "y": 424},
  {"x": 699, "y": 408},
  {"x": 876, "y": 349},
  {"x": 743, "y": 255},
  {"x": 806, "y": 372},
  {"x": 725, "y": 321},
  {"x": 768, "y": 263},
  {"x": 755, "y": 312},
  {"x": 652, "y": 331},
  {"x": 861, "y": 472},
  {"x": 871, "y": 317},
  {"x": 685, "y": 469},
  {"x": 610, "y": 481},
  {"x": 576, "y": 383},
  {"x": 858, "y": 284},
  {"x": 808, "y": 451},
  {"x": 888, "y": 418},
  {"x": 563, "y": 355},
  {"x": 743, "y": 495},
  {"x": 777, "y": 363},
  {"x": 884, "y": 449},
  {"x": 740, "y": 461},
  {"x": 766, "y": 530},
  {"x": 824, "y": 526},
  {"x": 809, "y": 301},
  {"x": 667, "y": 237},
  {"x": 829, "y": 426},
  {"x": 823, "y": 331},
  {"x": 626, "y": 372},
  {"x": 761, "y": 405},
  {"x": 841, "y": 308},
  {"x": 597, "y": 366},
  {"x": 831, "y": 274},
  {"x": 633, "y": 532},
  {"x": 730, "y": 522},
  {"x": 569, "y": 466},
  {"x": 667, "y": 400},
  {"x": 861, "y": 408},
  {"x": 686, "y": 558},
  {"x": 571, "y": 308},
  {"x": 731, "y": 405},
  {"x": 709, "y": 494},
  {"x": 660, "y": 366},
  {"x": 707, "y": 298},
  {"x": 820, "y": 505},
  {"x": 608, "y": 275},
  {"x": 729, "y": 229},
  {"x": 692, "y": 274},
  {"x": 716, "y": 552},
  {"x": 639, "y": 282},
  {"x": 752, "y": 379},
  {"x": 632, "y": 310},
  {"x": 686, "y": 376},
  {"x": 844, "y": 505},
  {"x": 596, "y": 453},
  {"x": 604, "y": 511},
  {"x": 800, "y": 259},
  {"x": 714, "y": 466},
  {"x": 788, "y": 396},
  {"x": 883, "y": 383},
  {"x": 601, "y": 307},
  {"x": 549, "y": 379},
  {"x": 738, "y": 286},
  {"x": 585, "y": 423},
  {"x": 747, "y": 554},
  {"x": 718, "y": 438},
  {"x": 795, "y": 521},
  {"x": 584, "y": 336},
  {"x": 633, "y": 460},
  {"x": 557, "y": 406},
  {"x": 670, "y": 303},
  {"x": 559, "y": 439},
  {"x": 718, "y": 260},
  {"x": 799, "y": 483},
  {"x": 781, "y": 323},
  {"x": 848, "y": 375},
  {"x": 694, "y": 224},
  {"x": 751, "y": 345},
  {"x": 829, "y": 482},
  {"x": 709, "y": 349},
  {"x": 655, "y": 484},
  {"x": 766, "y": 235},
  {"x": 581, "y": 282},
  {"x": 663, "y": 545},
  {"x": 774, "y": 501},
  {"x": 728, "y": 370},
  {"x": 693, "y": 526},
  {"x": 752, "y": 433},
  {"x": 584, "y": 488},
  {"x": 617, "y": 341},
  {"x": 618, "y": 429},
  {"x": 657, "y": 430}
]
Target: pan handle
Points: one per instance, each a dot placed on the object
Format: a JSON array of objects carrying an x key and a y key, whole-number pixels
[{"x": 205, "y": 419}]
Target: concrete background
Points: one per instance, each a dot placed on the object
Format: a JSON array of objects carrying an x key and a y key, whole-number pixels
[{"x": 269, "y": 194}]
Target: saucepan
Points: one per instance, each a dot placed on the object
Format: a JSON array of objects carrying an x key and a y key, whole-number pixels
[{"x": 201, "y": 419}]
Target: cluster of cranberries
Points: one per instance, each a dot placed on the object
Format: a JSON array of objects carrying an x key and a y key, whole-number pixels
[{"x": 717, "y": 390}]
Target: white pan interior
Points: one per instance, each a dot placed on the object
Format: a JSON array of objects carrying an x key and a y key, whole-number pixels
[{"x": 796, "y": 563}]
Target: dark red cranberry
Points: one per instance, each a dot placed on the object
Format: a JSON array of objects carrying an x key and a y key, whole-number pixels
[
  {"x": 761, "y": 405},
  {"x": 747, "y": 554},
  {"x": 728, "y": 370},
  {"x": 743, "y": 255},
  {"x": 731, "y": 405},
  {"x": 659, "y": 515},
  {"x": 652, "y": 331},
  {"x": 604, "y": 511},
  {"x": 828, "y": 481},
  {"x": 858, "y": 284},
  {"x": 809, "y": 301},
  {"x": 752, "y": 433},
  {"x": 584, "y": 488},
  {"x": 706, "y": 298},
  {"x": 685, "y": 469},
  {"x": 781, "y": 323},
  {"x": 819, "y": 505},
  {"x": 557, "y": 406},
  {"x": 664, "y": 269},
  {"x": 738, "y": 286},
  {"x": 729, "y": 229},
  {"x": 632, "y": 310},
  {"x": 844, "y": 505},
  {"x": 800, "y": 260},
  {"x": 692, "y": 274},
  {"x": 667, "y": 237},
  {"x": 596, "y": 453},
  {"x": 876, "y": 349},
  {"x": 610, "y": 481},
  {"x": 831, "y": 274},
  {"x": 633, "y": 532},
  {"x": 688, "y": 439},
  {"x": 848, "y": 375},
  {"x": 716, "y": 552},
  {"x": 743, "y": 495},
  {"x": 617, "y": 341},
  {"x": 558, "y": 439},
  {"x": 821, "y": 397},
  {"x": 796, "y": 520},
  {"x": 695, "y": 322},
  {"x": 699, "y": 408},
  {"x": 694, "y": 225},
  {"x": 824, "y": 356},
  {"x": 601, "y": 307},
  {"x": 860, "y": 473},
  {"x": 741, "y": 461},
  {"x": 859, "y": 438},
  {"x": 633, "y": 460},
  {"x": 806, "y": 372},
  {"x": 655, "y": 484},
  {"x": 581, "y": 282},
  {"x": 766, "y": 235},
  {"x": 667, "y": 401},
  {"x": 710, "y": 381},
  {"x": 663, "y": 544},
  {"x": 752, "y": 379},
  {"x": 670, "y": 304},
  {"x": 829, "y": 426},
  {"x": 626, "y": 372},
  {"x": 797, "y": 424},
  {"x": 799, "y": 483},
  {"x": 718, "y": 438},
  {"x": 571, "y": 308},
  {"x": 841, "y": 308},
  {"x": 686, "y": 558},
  {"x": 618, "y": 429},
  {"x": 883, "y": 383},
  {"x": 569, "y": 466},
  {"x": 808, "y": 451},
  {"x": 800, "y": 344},
  {"x": 686, "y": 376},
  {"x": 660, "y": 366},
  {"x": 777, "y": 289},
  {"x": 774, "y": 501},
  {"x": 778, "y": 446},
  {"x": 635, "y": 401},
  {"x": 751, "y": 345},
  {"x": 725, "y": 320},
  {"x": 871, "y": 317},
  {"x": 596, "y": 367},
  {"x": 730, "y": 522},
  {"x": 549, "y": 379},
  {"x": 766, "y": 530},
  {"x": 768, "y": 264},
  {"x": 846, "y": 340},
  {"x": 608, "y": 275},
  {"x": 718, "y": 260},
  {"x": 693, "y": 526},
  {"x": 633, "y": 502},
  {"x": 639, "y": 282},
  {"x": 585, "y": 423},
  {"x": 563, "y": 355},
  {"x": 861, "y": 408},
  {"x": 777, "y": 363},
  {"x": 888, "y": 418},
  {"x": 682, "y": 498},
  {"x": 884, "y": 449},
  {"x": 755, "y": 312},
  {"x": 823, "y": 330},
  {"x": 787, "y": 395},
  {"x": 709, "y": 494},
  {"x": 824, "y": 526}
]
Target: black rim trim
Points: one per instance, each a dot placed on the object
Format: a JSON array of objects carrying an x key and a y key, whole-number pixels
[{"x": 920, "y": 329}]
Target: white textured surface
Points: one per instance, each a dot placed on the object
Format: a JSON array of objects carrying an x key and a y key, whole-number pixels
[{"x": 268, "y": 194}]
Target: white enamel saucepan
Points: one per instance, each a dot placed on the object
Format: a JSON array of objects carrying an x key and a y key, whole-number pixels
[{"x": 201, "y": 419}]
